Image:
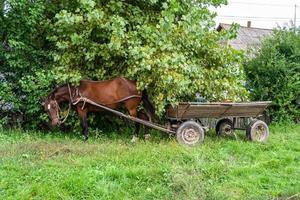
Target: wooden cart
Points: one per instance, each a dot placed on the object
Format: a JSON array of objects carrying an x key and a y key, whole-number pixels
[{"x": 185, "y": 119}]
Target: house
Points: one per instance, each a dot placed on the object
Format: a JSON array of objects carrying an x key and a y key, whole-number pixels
[{"x": 247, "y": 37}]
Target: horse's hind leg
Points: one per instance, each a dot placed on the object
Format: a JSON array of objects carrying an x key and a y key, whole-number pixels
[
  {"x": 83, "y": 122},
  {"x": 131, "y": 105},
  {"x": 144, "y": 116},
  {"x": 137, "y": 128},
  {"x": 133, "y": 113}
]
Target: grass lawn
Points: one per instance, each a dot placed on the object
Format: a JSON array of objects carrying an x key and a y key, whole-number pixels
[{"x": 56, "y": 166}]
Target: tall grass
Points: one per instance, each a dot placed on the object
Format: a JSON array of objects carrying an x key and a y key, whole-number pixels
[{"x": 108, "y": 166}]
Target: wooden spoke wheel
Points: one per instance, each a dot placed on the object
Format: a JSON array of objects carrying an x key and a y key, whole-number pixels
[
  {"x": 190, "y": 133},
  {"x": 224, "y": 127},
  {"x": 258, "y": 131}
]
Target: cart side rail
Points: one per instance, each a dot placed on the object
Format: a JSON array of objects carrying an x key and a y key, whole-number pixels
[{"x": 192, "y": 110}]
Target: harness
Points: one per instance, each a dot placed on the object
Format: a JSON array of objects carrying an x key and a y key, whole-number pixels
[
  {"x": 57, "y": 113},
  {"x": 81, "y": 98}
]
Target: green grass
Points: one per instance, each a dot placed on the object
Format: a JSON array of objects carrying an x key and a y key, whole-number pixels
[{"x": 56, "y": 166}]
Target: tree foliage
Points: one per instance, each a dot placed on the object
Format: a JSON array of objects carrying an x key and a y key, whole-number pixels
[
  {"x": 274, "y": 74},
  {"x": 25, "y": 56},
  {"x": 170, "y": 47}
]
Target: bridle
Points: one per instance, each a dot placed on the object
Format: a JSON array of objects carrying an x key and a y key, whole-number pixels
[{"x": 58, "y": 109}]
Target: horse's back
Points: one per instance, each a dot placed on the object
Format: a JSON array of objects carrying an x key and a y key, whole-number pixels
[
  {"x": 116, "y": 83},
  {"x": 108, "y": 90}
]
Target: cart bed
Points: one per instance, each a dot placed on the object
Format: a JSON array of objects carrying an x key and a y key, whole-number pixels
[{"x": 190, "y": 110}]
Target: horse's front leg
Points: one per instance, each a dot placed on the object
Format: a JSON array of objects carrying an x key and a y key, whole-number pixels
[{"x": 83, "y": 122}]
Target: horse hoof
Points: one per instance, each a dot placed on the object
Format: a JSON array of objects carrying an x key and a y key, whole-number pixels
[
  {"x": 134, "y": 139},
  {"x": 147, "y": 136}
]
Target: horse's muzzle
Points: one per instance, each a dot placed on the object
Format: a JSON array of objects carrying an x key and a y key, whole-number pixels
[{"x": 55, "y": 122}]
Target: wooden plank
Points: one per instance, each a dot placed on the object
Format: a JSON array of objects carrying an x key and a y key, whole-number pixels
[
  {"x": 228, "y": 103},
  {"x": 216, "y": 110},
  {"x": 240, "y": 123}
]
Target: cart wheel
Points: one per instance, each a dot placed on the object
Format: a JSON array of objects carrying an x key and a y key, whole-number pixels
[
  {"x": 258, "y": 131},
  {"x": 190, "y": 133},
  {"x": 224, "y": 127}
]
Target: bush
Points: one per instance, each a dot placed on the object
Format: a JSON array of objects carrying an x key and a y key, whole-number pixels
[
  {"x": 274, "y": 74},
  {"x": 25, "y": 58}
]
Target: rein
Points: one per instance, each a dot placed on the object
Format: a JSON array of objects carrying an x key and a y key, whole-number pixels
[{"x": 58, "y": 110}]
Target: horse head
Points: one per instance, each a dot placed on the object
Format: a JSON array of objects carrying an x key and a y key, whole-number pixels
[
  {"x": 52, "y": 101},
  {"x": 52, "y": 108}
]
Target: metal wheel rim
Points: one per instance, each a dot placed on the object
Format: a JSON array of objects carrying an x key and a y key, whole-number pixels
[
  {"x": 259, "y": 132},
  {"x": 190, "y": 136},
  {"x": 226, "y": 129}
]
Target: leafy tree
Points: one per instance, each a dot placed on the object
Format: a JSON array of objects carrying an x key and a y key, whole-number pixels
[
  {"x": 25, "y": 56},
  {"x": 274, "y": 74},
  {"x": 169, "y": 46}
]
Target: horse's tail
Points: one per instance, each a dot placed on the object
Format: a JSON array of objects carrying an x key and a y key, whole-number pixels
[{"x": 148, "y": 106}]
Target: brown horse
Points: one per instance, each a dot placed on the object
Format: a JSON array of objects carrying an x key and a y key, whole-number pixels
[{"x": 111, "y": 93}]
